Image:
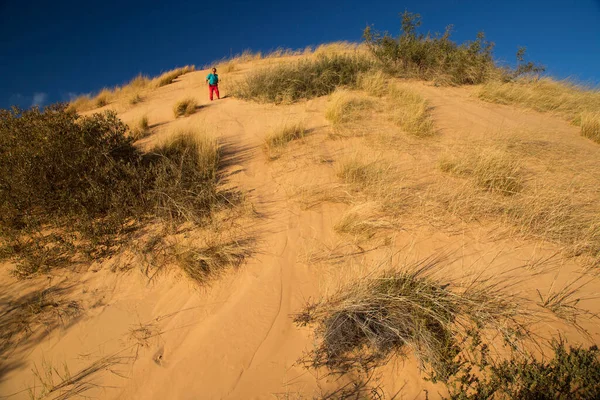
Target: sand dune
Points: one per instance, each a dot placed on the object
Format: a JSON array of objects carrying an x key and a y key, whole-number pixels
[{"x": 235, "y": 338}]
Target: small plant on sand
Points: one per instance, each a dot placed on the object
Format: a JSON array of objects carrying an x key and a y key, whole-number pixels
[
  {"x": 411, "y": 308},
  {"x": 291, "y": 82},
  {"x": 373, "y": 82},
  {"x": 227, "y": 67},
  {"x": 168, "y": 77},
  {"x": 103, "y": 98},
  {"x": 410, "y": 111},
  {"x": 281, "y": 136},
  {"x": 184, "y": 107},
  {"x": 345, "y": 106},
  {"x": 363, "y": 221},
  {"x": 82, "y": 103},
  {"x": 142, "y": 128},
  {"x": 590, "y": 126},
  {"x": 207, "y": 262},
  {"x": 562, "y": 98},
  {"x": 570, "y": 373},
  {"x": 493, "y": 170},
  {"x": 362, "y": 172},
  {"x": 470, "y": 333},
  {"x": 136, "y": 98}
]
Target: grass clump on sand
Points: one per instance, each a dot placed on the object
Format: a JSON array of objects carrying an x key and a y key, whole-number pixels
[
  {"x": 131, "y": 91},
  {"x": 363, "y": 221},
  {"x": 76, "y": 185},
  {"x": 207, "y": 262},
  {"x": 345, "y": 106},
  {"x": 544, "y": 95},
  {"x": 185, "y": 107},
  {"x": 280, "y": 137},
  {"x": 103, "y": 98},
  {"x": 362, "y": 172},
  {"x": 410, "y": 111},
  {"x": 450, "y": 325},
  {"x": 493, "y": 170},
  {"x": 141, "y": 129},
  {"x": 590, "y": 126},
  {"x": 374, "y": 82},
  {"x": 574, "y": 103},
  {"x": 414, "y": 55},
  {"x": 411, "y": 308},
  {"x": 304, "y": 79},
  {"x": 168, "y": 77},
  {"x": 135, "y": 99}
]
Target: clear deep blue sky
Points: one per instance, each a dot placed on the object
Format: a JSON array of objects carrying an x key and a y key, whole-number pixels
[{"x": 51, "y": 50}]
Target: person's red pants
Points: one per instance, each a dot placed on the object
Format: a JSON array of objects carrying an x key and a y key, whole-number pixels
[{"x": 213, "y": 88}]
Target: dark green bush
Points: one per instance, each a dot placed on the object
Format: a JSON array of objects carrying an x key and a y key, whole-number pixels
[
  {"x": 415, "y": 55},
  {"x": 570, "y": 374},
  {"x": 70, "y": 184},
  {"x": 303, "y": 79}
]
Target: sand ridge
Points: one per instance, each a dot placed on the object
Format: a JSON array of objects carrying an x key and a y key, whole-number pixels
[{"x": 236, "y": 339}]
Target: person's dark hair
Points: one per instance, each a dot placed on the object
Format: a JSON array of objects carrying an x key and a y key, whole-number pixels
[{"x": 214, "y": 69}]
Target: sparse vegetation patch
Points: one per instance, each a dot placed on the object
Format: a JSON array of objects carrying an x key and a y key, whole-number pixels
[
  {"x": 141, "y": 129},
  {"x": 185, "y": 107},
  {"x": 74, "y": 185},
  {"x": 345, "y": 106},
  {"x": 303, "y": 79},
  {"x": 590, "y": 126},
  {"x": 281, "y": 136},
  {"x": 410, "y": 111},
  {"x": 492, "y": 169},
  {"x": 414, "y": 55}
]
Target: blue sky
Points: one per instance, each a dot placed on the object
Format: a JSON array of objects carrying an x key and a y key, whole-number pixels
[{"x": 51, "y": 50}]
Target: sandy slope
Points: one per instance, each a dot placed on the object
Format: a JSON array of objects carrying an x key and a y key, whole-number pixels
[{"x": 236, "y": 339}]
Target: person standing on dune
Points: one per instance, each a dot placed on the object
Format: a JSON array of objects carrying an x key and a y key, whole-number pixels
[{"x": 213, "y": 84}]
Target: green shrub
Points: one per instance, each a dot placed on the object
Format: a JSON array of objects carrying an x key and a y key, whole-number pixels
[
  {"x": 71, "y": 183},
  {"x": 432, "y": 57},
  {"x": 303, "y": 79},
  {"x": 570, "y": 374}
]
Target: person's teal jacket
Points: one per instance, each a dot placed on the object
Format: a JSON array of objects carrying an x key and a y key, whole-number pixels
[{"x": 213, "y": 79}]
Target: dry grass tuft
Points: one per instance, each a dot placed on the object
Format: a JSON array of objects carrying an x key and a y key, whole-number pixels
[
  {"x": 207, "y": 262},
  {"x": 82, "y": 103},
  {"x": 373, "y": 82},
  {"x": 142, "y": 129},
  {"x": 185, "y": 107},
  {"x": 280, "y": 137},
  {"x": 418, "y": 308},
  {"x": 35, "y": 315},
  {"x": 453, "y": 324},
  {"x": 363, "y": 221},
  {"x": 169, "y": 76},
  {"x": 103, "y": 98},
  {"x": 135, "y": 99},
  {"x": 546, "y": 95},
  {"x": 410, "y": 111},
  {"x": 291, "y": 82},
  {"x": 62, "y": 385},
  {"x": 131, "y": 91},
  {"x": 345, "y": 106},
  {"x": 492, "y": 169},
  {"x": 362, "y": 171},
  {"x": 590, "y": 126},
  {"x": 227, "y": 67}
]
